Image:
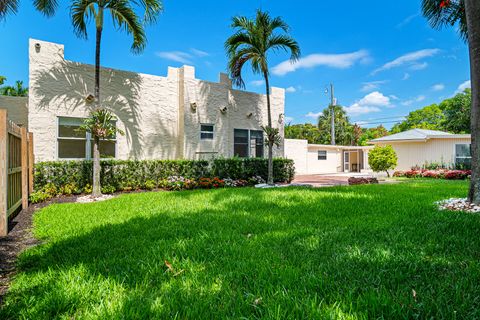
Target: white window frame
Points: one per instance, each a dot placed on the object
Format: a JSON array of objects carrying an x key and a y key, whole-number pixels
[
  {"x": 455, "y": 152},
  {"x": 88, "y": 142},
  {"x": 318, "y": 155},
  {"x": 249, "y": 142},
  {"x": 209, "y": 132}
]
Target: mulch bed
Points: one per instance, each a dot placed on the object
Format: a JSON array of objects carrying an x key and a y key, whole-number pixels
[{"x": 18, "y": 239}]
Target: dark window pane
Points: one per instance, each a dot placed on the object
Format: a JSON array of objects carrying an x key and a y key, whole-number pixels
[
  {"x": 107, "y": 149},
  {"x": 206, "y": 127},
  {"x": 206, "y": 135},
  {"x": 240, "y": 136},
  {"x": 70, "y": 128},
  {"x": 462, "y": 150},
  {"x": 322, "y": 155},
  {"x": 240, "y": 150},
  {"x": 71, "y": 149}
]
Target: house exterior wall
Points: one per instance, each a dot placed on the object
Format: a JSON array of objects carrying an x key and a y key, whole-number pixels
[
  {"x": 418, "y": 153},
  {"x": 17, "y": 109},
  {"x": 154, "y": 111},
  {"x": 297, "y": 150},
  {"x": 331, "y": 165}
]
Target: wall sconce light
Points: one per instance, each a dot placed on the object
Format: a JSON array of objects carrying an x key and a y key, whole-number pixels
[
  {"x": 281, "y": 118},
  {"x": 249, "y": 115},
  {"x": 37, "y": 47},
  {"x": 223, "y": 109},
  {"x": 90, "y": 98},
  {"x": 193, "y": 106}
]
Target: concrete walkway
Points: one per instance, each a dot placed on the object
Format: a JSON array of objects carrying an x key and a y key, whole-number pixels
[
  {"x": 318, "y": 180},
  {"x": 326, "y": 180}
]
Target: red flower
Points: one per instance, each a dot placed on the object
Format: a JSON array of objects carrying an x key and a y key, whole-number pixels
[{"x": 444, "y": 4}]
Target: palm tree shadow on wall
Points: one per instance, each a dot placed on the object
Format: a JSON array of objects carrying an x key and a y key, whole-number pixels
[{"x": 63, "y": 89}]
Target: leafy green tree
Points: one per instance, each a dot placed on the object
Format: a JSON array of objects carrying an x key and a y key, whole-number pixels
[
  {"x": 343, "y": 127},
  {"x": 123, "y": 14},
  {"x": 18, "y": 90},
  {"x": 466, "y": 15},
  {"x": 372, "y": 133},
  {"x": 430, "y": 117},
  {"x": 382, "y": 159},
  {"x": 305, "y": 131},
  {"x": 457, "y": 112},
  {"x": 2, "y": 80},
  {"x": 252, "y": 41}
]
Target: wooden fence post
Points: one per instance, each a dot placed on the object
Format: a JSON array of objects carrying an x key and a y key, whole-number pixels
[
  {"x": 31, "y": 163},
  {"x": 3, "y": 172},
  {"x": 24, "y": 168}
]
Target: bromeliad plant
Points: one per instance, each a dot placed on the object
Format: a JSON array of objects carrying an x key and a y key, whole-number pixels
[
  {"x": 252, "y": 41},
  {"x": 101, "y": 125}
]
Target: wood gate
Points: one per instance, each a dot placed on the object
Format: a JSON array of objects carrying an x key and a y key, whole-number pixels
[{"x": 16, "y": 169}]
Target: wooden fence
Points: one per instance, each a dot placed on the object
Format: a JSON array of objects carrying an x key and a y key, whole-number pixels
[{"x": 16, "y": 169}]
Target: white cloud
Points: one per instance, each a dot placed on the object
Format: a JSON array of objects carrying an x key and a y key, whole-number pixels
[
  {"x": 411, "y": 58},
  {"x": 290, "y": 89},
  {"x": 406, "y": 76},
  {"x": 463, "y": 86},
  {"x": 372, "y": 102},
  {"x": 407, "y": 20},
  {"x": 313, "y": 115},
  {"x": 177, "y": 56},
  {"x": 339, "y": 61},
  {"x": 438, "y": 87},
  {"x": 419, "y": 66},
  {"x": 372, "y": 85},
  {"x": 409, "y": 102},
  {"x": 199, "y": 53},
  {"x": 257, "y": 83},
  {"x": 182, "y": 57},
  {"x": 394, "y": 97}
]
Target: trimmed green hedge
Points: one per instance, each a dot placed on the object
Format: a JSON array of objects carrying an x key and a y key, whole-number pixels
[{"x": 134, "y": 174}]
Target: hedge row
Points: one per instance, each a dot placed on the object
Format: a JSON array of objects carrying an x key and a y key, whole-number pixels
[{"x": 134, "y": 174}]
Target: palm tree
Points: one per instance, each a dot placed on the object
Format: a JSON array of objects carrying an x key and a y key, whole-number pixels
[
  {"x": 47, "y": 7},
  {"x": 124, "y": 18},
  {"x": 252, "y": 41},
  {"x": 18, "y": 90},
  {"x": 465, "y": 14}
]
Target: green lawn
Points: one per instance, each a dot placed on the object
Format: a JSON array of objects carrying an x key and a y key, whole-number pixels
[{"x": 340, "y": 253}]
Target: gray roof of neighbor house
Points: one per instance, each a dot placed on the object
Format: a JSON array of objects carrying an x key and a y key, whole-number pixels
[{"x": 418, "y": 135}]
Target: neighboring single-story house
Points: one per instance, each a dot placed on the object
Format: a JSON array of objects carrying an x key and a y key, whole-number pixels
[
  {"x": 418, "y": 147},
  {"x": 172, "y": 117},
  {"x": 325, "y": 159}
]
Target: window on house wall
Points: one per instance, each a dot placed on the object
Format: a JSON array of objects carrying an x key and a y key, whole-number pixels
[
  {"x": 248, "y": 143},
  {"x": 206, "y": 131},
  {"x": 322, "y": 154},
  {"x": 463, "y": 156},
  {"x": 74, "y": 143}
]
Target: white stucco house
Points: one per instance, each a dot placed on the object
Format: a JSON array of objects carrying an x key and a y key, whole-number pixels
[
  {"x": 176, "y": 116},
  {"x": 418, "y": 147},
  {"x": 326, "y": 159}
]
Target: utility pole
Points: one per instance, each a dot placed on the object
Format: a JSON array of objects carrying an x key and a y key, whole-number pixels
[{"x": 332, "y": 114}]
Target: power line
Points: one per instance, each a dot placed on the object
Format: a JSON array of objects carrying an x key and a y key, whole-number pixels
[
  {"x": 374, "y": 119},
  {"x": 382, "y": 122}
]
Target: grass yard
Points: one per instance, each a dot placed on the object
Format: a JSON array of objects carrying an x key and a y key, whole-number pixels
[{"x": 343, "y": 253}]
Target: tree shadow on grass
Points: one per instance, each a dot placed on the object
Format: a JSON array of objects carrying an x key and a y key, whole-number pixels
[{"x": 268, "y": 253}]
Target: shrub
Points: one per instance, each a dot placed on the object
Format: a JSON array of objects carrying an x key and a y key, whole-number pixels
[
  {"x": 382, "y": 159},
  {"x": 108, "y": 189},
  {"x": 399, "y": 174},
  {"x": 129, "y": 175},
  {"x": 150, "y": 185}
]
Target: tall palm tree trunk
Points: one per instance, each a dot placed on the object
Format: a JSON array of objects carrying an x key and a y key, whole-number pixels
[
  {"x": 96, "y": 188},
  {"x": 270, "y": 142},
  {"x": 472, "y": 10}
]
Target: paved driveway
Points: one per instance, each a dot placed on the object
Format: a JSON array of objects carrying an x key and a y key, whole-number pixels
[{"x": 320, "y": 180}]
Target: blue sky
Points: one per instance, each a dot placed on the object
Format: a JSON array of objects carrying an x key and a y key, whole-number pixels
[{"x": 382, "y": 56}]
